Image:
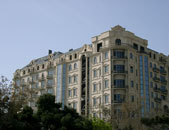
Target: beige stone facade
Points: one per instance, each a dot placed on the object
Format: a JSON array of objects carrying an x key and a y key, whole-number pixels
[{"x": 116, "y": 69}]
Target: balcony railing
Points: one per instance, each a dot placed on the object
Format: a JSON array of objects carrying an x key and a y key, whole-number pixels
[
  {"x": 164, "y": 81},
  {"x": 157, "y": 89},
  {"x": 117, "y": 57},
  {"x": 24, "y": 83},
  {"x": 41, "y": 78},
  {"x": 49, "y": 76},
  {"x": 156, "y": 69},
  {"x": 120, "y": 71},
  {"x": 120, "y": 86},
  {"x": 157, "y": 100},
  {"x": 165, "y": 91},
  {"x": 156, "y": 79},
  {"x": 119, "y": 101},
  {"x": 49, "y": 85},
  {"x": 164, "y": 72}
]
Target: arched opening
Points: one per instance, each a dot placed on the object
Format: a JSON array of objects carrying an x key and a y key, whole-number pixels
[{"x": 118, "y": 42}]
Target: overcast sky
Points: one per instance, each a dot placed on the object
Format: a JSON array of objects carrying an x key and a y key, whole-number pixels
[{"x": 28, "y": 28}]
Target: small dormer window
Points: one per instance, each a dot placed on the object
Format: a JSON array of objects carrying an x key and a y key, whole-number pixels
[
  {"x": 118, "y": 42},
  {"x": 75, "y": 56},
  {"x": 70, "y": 57},
  {"x": 37, "y": 67},
  {"x": 24, "y": 72},
  {"x": 28, "y": 70},
  {"x": 43, "y": 66}
]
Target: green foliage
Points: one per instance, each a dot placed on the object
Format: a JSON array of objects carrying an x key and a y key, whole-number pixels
[
  {"x": 158, "y": 122},
  {"x": 99, "y": 124}
]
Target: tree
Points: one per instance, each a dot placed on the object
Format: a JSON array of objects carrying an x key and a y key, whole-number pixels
[
  {"x": 52, "y": 116},
  {"x": 99, "y": 124},
  {"x": 156, "y": 123}
]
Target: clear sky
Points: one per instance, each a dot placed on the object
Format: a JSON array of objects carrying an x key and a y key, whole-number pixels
[{"x": 28, "y": 28}]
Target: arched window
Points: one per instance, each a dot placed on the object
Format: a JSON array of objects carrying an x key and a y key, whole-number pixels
[
  {"x": 70, "y": 57},
  {"x": 75, "y": 65},
  {"x": 118, "y": 41}
]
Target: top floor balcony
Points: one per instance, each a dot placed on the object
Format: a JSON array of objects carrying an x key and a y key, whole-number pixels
[{"x": 155, "y": 69}]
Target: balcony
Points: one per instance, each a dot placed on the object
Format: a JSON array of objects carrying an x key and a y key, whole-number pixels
[
  {"x": 156, "y": 69},
  {"x": 49, "y": 76},
  {"x": 156, "y": 79},
  {"x": 164, "y": 91},
  {"x": 164, "y": 72},
  {"x": 41, "y": 78},
  {"x": 32, "y": 81},
  {"x": 157, "y": 89},
  {"x": 157, "y": 100},
  {"x": 49, "y": 85},
  {"x": 50, "y": 66},
  {"x": 162, "y": 60},
  {"x": 164, "y": 81},
  {"x": 119, "y": 101},
  {"x": 119, "y": 58},
  {"x": 120, "y": 86},
  {"x": 23, "y": 83},
  {"x": 120, "y": 72}
]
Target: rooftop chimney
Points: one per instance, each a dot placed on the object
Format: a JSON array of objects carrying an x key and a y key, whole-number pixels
[{"x": 50, "y": 52}]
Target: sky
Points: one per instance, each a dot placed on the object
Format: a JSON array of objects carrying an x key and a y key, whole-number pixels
[{"x": 29, "y": 28}]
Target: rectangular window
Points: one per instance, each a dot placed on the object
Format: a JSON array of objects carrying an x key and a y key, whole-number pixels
[
  {"x": 106, "y": 98},
  {"x": 132, "y": 83},
  {"x": 75, "y": 92},
  {"x": 132, "y": 98},
  {"x": 131, "y": 69},
  {"x": 119, "y": 83},
  {"x": 106, "y": 69},
  {"x": 69, "y": 93},
  {"x": 106, "y": 55},
  {"x": 119, "y": 68},
  {"x": 106, "y": 84},
  {"x": 94, "y": 101},
  {"x": 94, "y": 73},
  {"x": 94, "y": 87},
  {"x": 119, "y": 54}
]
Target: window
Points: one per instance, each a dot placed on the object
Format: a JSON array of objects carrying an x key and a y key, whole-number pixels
[
  {"x": 24, "y": 72},
  {"x": 94, "y": 87},
  {"x": 106, "y": 99},
  {"x": 151, "y": 74},
  {"x": 131, "y": 69},
  {"x": 94, "y": 73},
  {"x": 151, "y": 84},
  {"x": 131, "y": 55},
  {"x": 106, "y": 69},
  {"x": 152, "y": 104},
  {"x": 99, "y": 72},
  {"x": 75, "y": 78},
  {"x": 69, "y": 93},
  {"x": 118, "y": 42},
  {"x": 75, "y": 65},
  {"x": 94, "y": 101},
  {"x": 70, "y": 57},
  {"x": 132, "y": 98},
  {"x": 70, "y": 67},
  {"x": 152, "y": 95},
  {"x": 150, "y": 64},
  {"x": 99, "y": 100},
  {"x": 106, "y": 55},
  {"x": 119, "y": 68},
  {"x": 43, "y": 66},
  {"x": 43, "y": 84},
  {"x": 74, "y": 92},
  {"x": 37, "y": 67},
  {"x": 99, "y": 45},
  {"x": 74, "y": 105},
  {"x": 50, "y": 91},
  {"x": 119, "y": 54},
  {"x": 135, "y": 46},
  {"x": 118, "y": 98},
  {"x": 119, "y": 83},
  {"x": 94, "y": 115},
  {"x": 106, "y": 83},
  {"x": 70, "y": 80},
  {"x": 75, "y": 56},
  {"x": 95, "y": 60},
  {"x": 132, "y": 83}
]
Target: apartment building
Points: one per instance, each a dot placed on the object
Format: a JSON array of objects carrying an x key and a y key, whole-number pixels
[{"x": 116, "y": 72}]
